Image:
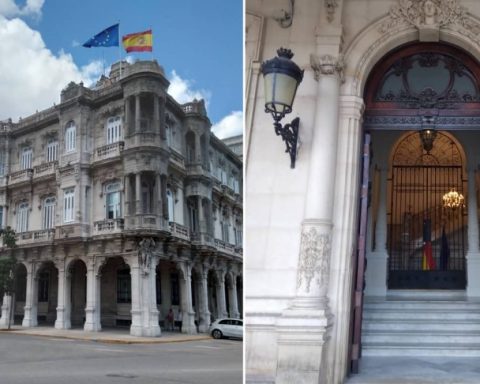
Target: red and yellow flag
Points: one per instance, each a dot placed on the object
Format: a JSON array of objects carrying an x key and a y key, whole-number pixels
[{"x": 138, "y": 42}]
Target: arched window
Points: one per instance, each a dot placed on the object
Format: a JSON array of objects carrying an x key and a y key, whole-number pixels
[
  {"x": 48, "y": 213},
  {"x": 70, "y": 137},
  {"x": 113, "y": 201},
  {"x": 22, "y": 217},
  {"x": 114, "y": 129},
  {"x": 68, "y": 205}
]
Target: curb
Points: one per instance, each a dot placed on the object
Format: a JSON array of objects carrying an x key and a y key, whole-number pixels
[{"x": 109, "y": 340}]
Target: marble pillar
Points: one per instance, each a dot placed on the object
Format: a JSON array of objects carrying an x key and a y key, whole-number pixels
[
  {"x": 93, "y": 307},
  {"x": 31, "y": 297},
  {"x": 204, "y": 313},
  {"x": 188, "y": 315}
]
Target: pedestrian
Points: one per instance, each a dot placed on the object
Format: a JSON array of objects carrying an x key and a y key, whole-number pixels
[{"x": 170, "y": 318}]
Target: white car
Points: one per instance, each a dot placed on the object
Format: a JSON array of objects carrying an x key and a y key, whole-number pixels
[{"x": 226, "y": 328}]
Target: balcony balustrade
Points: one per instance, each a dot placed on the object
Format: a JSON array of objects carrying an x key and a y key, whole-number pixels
[
  {"x": 46, "y": 169},
  {"x": 20, "y": 176},
  {"x": 179, "y": 231},
  {"x": 108, "y": 226},
  {"x": 146, "y": 222},
  {"x": 109, "y": 151},
  {"x": 44, "y": 235}
]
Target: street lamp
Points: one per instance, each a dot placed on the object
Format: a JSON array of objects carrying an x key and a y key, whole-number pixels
[{"x": 282, "y": 77}]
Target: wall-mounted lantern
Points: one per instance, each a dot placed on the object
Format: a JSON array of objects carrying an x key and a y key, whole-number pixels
[{"x": 282, "y": 77}]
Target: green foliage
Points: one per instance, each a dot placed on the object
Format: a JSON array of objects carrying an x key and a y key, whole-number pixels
[{"x": 8, "y": 261}]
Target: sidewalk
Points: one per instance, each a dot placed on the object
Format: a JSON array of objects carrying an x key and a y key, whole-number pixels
[{"x": 109, "y": 335}]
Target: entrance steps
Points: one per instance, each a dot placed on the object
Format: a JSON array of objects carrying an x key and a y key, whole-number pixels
[{"x": 425, "y": 323}]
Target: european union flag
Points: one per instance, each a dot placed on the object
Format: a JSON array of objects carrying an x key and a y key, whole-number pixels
[{"x": 107, "y": 38}]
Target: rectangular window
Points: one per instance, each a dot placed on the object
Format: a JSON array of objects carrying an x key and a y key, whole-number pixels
[
  {"x": 124, "y": 288},
  {"x": 22, "y": 217},
  {"x": 26, "y": 160},
  {"x": 238, "y": 236},
  {"x": 87, "y": 204},
  {"x": 113, "y": 205},
  {"x": 52, "y": 150},
  {"x": 2, "y": 162},
  {"x": 49, "y": 213},
  {"x": 114, "y": 129},
  {"x": 70, "y": 137},
  {"x": 68, "y": 205},
  {"x": 225, "y": 236},
  {"x": 158, "y": 283},
  {"x": 193, "y": 218},
  {"x": 1, "y": 217}
]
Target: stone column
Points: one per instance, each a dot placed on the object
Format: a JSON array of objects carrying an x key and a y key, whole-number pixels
[
  {"x": 7, "y": 308},
  {"x": 156, "y": 117},
  {"x": 163, "y": 133},
  {"x": 305, "y": 326},
  {"x": 201, "y": 215},
  {"x": 137, "y": 113},
  {"x": 93, "y": 307},
  {"x": 31, "y": 297},
  {"x": 232, "y": 296},
  {"x": 136, "y": 310},
  {"x": 63, "y": 300},
  {"x": 127, "y": 128},
  {"x": 158, "y": 184},
  {"x": 204, "y": 313},
  {"x": 128, "y": 195},
  {"x": 376, "y": 273},
  {"x": 220, "y": 293},
  {"x": 198, "y": 148},
  {"x": 138, "y": 193},
  {"x": 188, "y": 315},
  {"x": 163, "y": 191},
  {"x": 473, "y": 254}
]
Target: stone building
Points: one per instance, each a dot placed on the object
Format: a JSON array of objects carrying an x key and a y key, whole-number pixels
[
  {"x": 369, "y": 226},
  {"x": 124, "y": 205}
]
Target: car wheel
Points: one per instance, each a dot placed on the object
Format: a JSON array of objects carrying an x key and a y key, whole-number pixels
[{"x": 217, "y": 334}]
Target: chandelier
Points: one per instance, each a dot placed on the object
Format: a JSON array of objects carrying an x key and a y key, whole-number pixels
[{"x": 453, "y": 199}]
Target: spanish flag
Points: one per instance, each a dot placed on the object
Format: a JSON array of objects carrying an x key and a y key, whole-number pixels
[{"x": 138, "y": 42}]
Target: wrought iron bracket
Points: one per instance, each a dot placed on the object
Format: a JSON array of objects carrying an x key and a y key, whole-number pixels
[{"x": 289, "y": 133}]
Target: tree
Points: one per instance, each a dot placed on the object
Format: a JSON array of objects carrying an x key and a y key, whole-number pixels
[{"x": 7, "y": 265}]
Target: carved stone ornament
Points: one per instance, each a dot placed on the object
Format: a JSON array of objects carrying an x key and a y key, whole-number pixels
[
  {"x": 327, "y": 65},
  {"x": 425, "y": 13},
  {"x": 314, "y": 258},
  {"x": 145, "y": 253},
  {"x": 330, "y": 5}
]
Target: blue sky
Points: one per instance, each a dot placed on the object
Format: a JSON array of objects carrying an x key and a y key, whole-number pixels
[{"x": 198, "y": 43}]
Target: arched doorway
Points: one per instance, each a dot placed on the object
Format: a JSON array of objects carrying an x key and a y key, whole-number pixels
[
  {"x": 47, "y": 293},
  {"x": 78, "y": 292},
  {"x": 426, "y": 239}
]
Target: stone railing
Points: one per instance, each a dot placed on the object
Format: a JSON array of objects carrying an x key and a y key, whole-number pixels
[
  {"x": 202, "y": 238},
  {"x": 108, "y": 151},
  {"x": 20, "y": 176},
  {"x": 109, "y": 225},
  {"x": 177, "y": 158},
  {"x": 45, "y": 169},
  {"x": 44, "y": 235},
  {"x": 227, "y": 247},
  {"x": 179, "y": 231}
]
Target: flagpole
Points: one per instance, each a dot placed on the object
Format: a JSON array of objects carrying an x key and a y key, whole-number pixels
[{"x": 119, "y": 49}]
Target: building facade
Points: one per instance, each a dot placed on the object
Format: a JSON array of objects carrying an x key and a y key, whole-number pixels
[
  {"x": 389, "y": 125},
  {"x": 124, "y": 205}
]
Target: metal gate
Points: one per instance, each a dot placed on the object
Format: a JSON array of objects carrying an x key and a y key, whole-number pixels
[{"x": 426, "y": 242}]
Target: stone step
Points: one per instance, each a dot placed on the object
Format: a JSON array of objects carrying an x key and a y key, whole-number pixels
[
  {"x": 419, "y": 325},
  {"x": 420, "y": 338},
  {"x": 422, "y": 305},
  {"x": 459, "y": 350},
  {"x": 421, "y": 314}
]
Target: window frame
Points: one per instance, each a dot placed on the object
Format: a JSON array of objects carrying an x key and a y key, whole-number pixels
[
  {"x": 69, "y": 205},
  {"x": 70, "y": 137}
]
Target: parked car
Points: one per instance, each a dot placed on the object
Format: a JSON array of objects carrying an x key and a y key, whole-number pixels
[{"x": 226, "y": 328}]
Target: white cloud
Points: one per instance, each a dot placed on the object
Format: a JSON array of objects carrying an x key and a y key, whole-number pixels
[
  {"x": 32, "y": 77},
  {"x": 181, "y": 90},
  {"x": 231, "y": 125},
  {"x": 9, "y": 8}
]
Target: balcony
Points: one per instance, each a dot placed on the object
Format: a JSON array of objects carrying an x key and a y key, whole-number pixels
[
  {"x": 146, "y": 222},
  {"x": 45, "y": 170},
  {"x": 20, "y": 176},
  {"x": 108, "y": 226},
  {"x": 222, "y": 246},
  {"x": 197, "y": 169},
  {"x": 143, "y": 139},
  {"x": 202, "y": 239},
  {"x": 179, "y": 231},
  {"x": 44, "y": 235},
  {"x": 109, "y": 151},
  {"x": 177, "y": 158}
]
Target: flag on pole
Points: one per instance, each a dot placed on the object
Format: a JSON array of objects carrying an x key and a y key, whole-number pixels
[
  {"x": 444, "y": 252},
  {"x": 428, "y": 263},
  {"x": 107, "y": 38},
  {"x": 138, "y": 42}
]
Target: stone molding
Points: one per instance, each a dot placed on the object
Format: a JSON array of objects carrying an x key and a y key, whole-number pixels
[
  {"x": 314, "y": 259},
  {"x": 330, "y": 6},
  {"x": 327, "y": 65}
]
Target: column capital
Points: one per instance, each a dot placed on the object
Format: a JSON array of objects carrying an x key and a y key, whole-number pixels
[{"x": 327, "y": 65}]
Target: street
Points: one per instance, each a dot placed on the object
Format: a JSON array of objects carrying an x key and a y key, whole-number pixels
[{"x": 40, "y": 360}]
